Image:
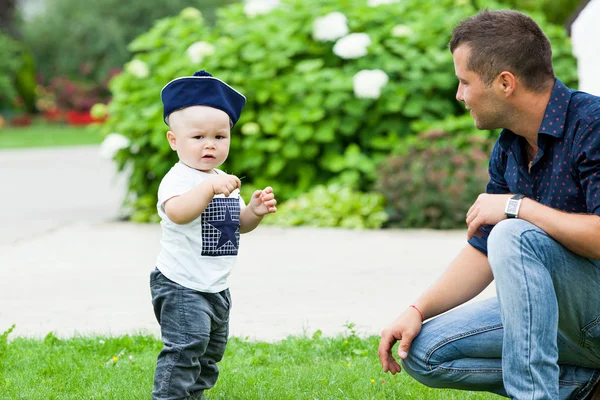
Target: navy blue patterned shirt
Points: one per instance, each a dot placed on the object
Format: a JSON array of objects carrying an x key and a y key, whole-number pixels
[{"x": 565, "y": 173}]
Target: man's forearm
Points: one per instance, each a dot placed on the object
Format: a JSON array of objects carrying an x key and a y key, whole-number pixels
[
  {"x": 579, "y": 233},
  {"x": 464, "y": 279}
]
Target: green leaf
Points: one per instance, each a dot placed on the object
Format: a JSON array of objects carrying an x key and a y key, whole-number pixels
[
  {"x": 303, "y": 133},
  {"x": 308, "y": 66},
  {"x": 275, "y": 166},
  {"x": 291, "y": 150}
]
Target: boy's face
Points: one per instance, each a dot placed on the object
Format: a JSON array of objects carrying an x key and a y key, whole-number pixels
[{"x": 200, "y": 135}]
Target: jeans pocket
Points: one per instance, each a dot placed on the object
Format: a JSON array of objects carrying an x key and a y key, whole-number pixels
[
  {"x": 590, "y": 336},
  {"x": 155, "y": 276}
]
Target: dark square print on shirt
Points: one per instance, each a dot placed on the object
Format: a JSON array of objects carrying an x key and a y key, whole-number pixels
[{"x": 221, "y": 227}]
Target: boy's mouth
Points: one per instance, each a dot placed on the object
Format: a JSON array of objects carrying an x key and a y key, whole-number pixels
[{"x": 208, "y": 156}]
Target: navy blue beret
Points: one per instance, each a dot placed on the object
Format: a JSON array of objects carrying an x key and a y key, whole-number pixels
[{"x": 201, "y": 89}]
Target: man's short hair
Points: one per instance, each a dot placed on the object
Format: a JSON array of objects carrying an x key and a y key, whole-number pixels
[{"x": 506, "y": 40}]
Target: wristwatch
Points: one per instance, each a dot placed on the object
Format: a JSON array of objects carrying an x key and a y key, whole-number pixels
[{"x": 512, "y": 206}]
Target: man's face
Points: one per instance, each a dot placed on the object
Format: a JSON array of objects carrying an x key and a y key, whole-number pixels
[
  {"x": 481, "y": 99},
  {"x": 201, "y": 137}
]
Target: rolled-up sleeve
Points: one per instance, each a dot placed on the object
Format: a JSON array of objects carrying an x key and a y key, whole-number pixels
[
  {"x": 588, "y": 166},
  {"x": 496, "y": 185}
]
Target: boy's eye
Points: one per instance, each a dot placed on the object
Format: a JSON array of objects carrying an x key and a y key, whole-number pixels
[
  {"x": 198, "y": 137},
  {"x": 220, "y": 137}
]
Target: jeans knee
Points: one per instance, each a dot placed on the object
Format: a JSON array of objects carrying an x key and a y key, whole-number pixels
[
  {"x": 418, "y": 363},
  {"x": 506, "y": 241}
]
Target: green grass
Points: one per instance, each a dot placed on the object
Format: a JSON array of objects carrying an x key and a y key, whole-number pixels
[
  {"x": 41, "y": 134},
  {"x": 296, "y": 368}
]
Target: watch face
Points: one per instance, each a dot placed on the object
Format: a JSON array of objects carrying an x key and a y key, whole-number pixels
[{"x": 512, "y": 207}]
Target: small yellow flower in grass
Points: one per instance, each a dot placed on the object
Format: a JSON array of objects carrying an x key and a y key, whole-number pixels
[
  {"x": 372, "y": 380},
  {"x": 115, "y": 359},
  {"x": 347, "y": 365},
  {"x": 345, "y": 342}
]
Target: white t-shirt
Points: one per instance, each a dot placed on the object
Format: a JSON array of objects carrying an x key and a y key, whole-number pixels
[{"x": 201, "y": 254}]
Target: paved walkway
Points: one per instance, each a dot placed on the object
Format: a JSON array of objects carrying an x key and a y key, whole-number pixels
[{"x": 69, "y": 266}]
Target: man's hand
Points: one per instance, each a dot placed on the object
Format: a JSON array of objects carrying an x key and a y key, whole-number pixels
[
  {"x": 488, "y": 209},
  {"x": 405, "y": 328},
  {"x": 225, "y": 184},
  {"x": 263, "y": 202}
]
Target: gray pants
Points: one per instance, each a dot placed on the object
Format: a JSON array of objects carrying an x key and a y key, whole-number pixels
[{"x": 194, "y": 327}]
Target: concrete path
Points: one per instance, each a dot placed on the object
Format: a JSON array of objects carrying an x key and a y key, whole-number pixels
[{"x": 67, "y": 265}]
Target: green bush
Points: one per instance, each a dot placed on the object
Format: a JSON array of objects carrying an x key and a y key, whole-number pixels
[
  {"x": 88, "y": 39},
  {"x": 304, "y": 124},
  {"x": 332, "y": 206},
  {"x": 556, "y": 11},
  {"x": 9, "y": 65},
  {"x": 434, "y": 181}
]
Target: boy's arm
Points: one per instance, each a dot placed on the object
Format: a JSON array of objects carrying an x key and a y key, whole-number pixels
[
  {"x": 248, "y": 220},
  {"x": 263, "y": 202},
  {"x": 188, "y": 206}
]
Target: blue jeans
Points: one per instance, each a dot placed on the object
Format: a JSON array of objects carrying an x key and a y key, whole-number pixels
[
  {"x": 539, "y": 339},
  {"x": 194, "y": 328}
]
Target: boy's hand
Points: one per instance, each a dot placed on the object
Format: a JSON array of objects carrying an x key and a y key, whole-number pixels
[
  {"x": 225, "y": 184},
  {"x": 263, "y": 202}
]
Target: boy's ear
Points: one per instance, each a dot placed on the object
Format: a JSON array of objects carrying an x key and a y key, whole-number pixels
[{"x": 172, "y": 140}]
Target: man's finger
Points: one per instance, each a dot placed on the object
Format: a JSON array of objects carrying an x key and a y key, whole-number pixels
[
  {"x": 404, "y": 346},
  {"x": 471, "y": 216},
  {"x": 385, "y": 349},
  {"x": 473, "y": 227}
]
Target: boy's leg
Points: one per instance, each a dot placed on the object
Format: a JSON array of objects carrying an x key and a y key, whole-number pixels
[
  {"x": 545, "y": 292},
  {"x": 221, "y": 303},
  {"x": 185, "y": 321},
  {"x": 462, "y": 349}
]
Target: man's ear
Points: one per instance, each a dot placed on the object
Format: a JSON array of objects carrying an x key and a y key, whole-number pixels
[
  {"x": 506, "y": 82},
  {"x": 172, "y": 140}
]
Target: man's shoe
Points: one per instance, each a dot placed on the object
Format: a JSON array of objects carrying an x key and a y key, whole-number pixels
[{"x": 595, "y": 393}]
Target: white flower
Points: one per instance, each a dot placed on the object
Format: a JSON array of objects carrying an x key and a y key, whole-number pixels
[
  {"x": 197, "y": 51},
  {"x": 368, "y": 83},
  {"x": 401, "y": 31},
  {"x": 375, "y": 3},
  {"x": 138, "y": 68},
  {"x": 131, "y": 358},
  {"x": 112, "y": 143},
  {"x": 330, "y": 27},
  {"x": 253, "y": 8},
  {"x": 352, "y": 46},
  {"x": 134, "y": 148},
  {"x": 190, "y": 13},
  {"x": 101, "y": 341}
]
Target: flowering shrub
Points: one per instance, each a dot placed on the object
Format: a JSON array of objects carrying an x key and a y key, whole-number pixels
[
  {"x": 332, "y": 87},
  {"x": 75, "y": 95},
  {"x": 435, "y": 179}
]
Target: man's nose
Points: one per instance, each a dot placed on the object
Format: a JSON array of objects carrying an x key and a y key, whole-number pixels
[{"x": 459, "y": 93}]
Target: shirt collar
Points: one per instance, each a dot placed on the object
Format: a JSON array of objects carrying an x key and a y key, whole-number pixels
[{"x": 553, "y": 123}]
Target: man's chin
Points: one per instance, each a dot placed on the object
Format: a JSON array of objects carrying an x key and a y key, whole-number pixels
[{"x": 481, "y": 125}]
